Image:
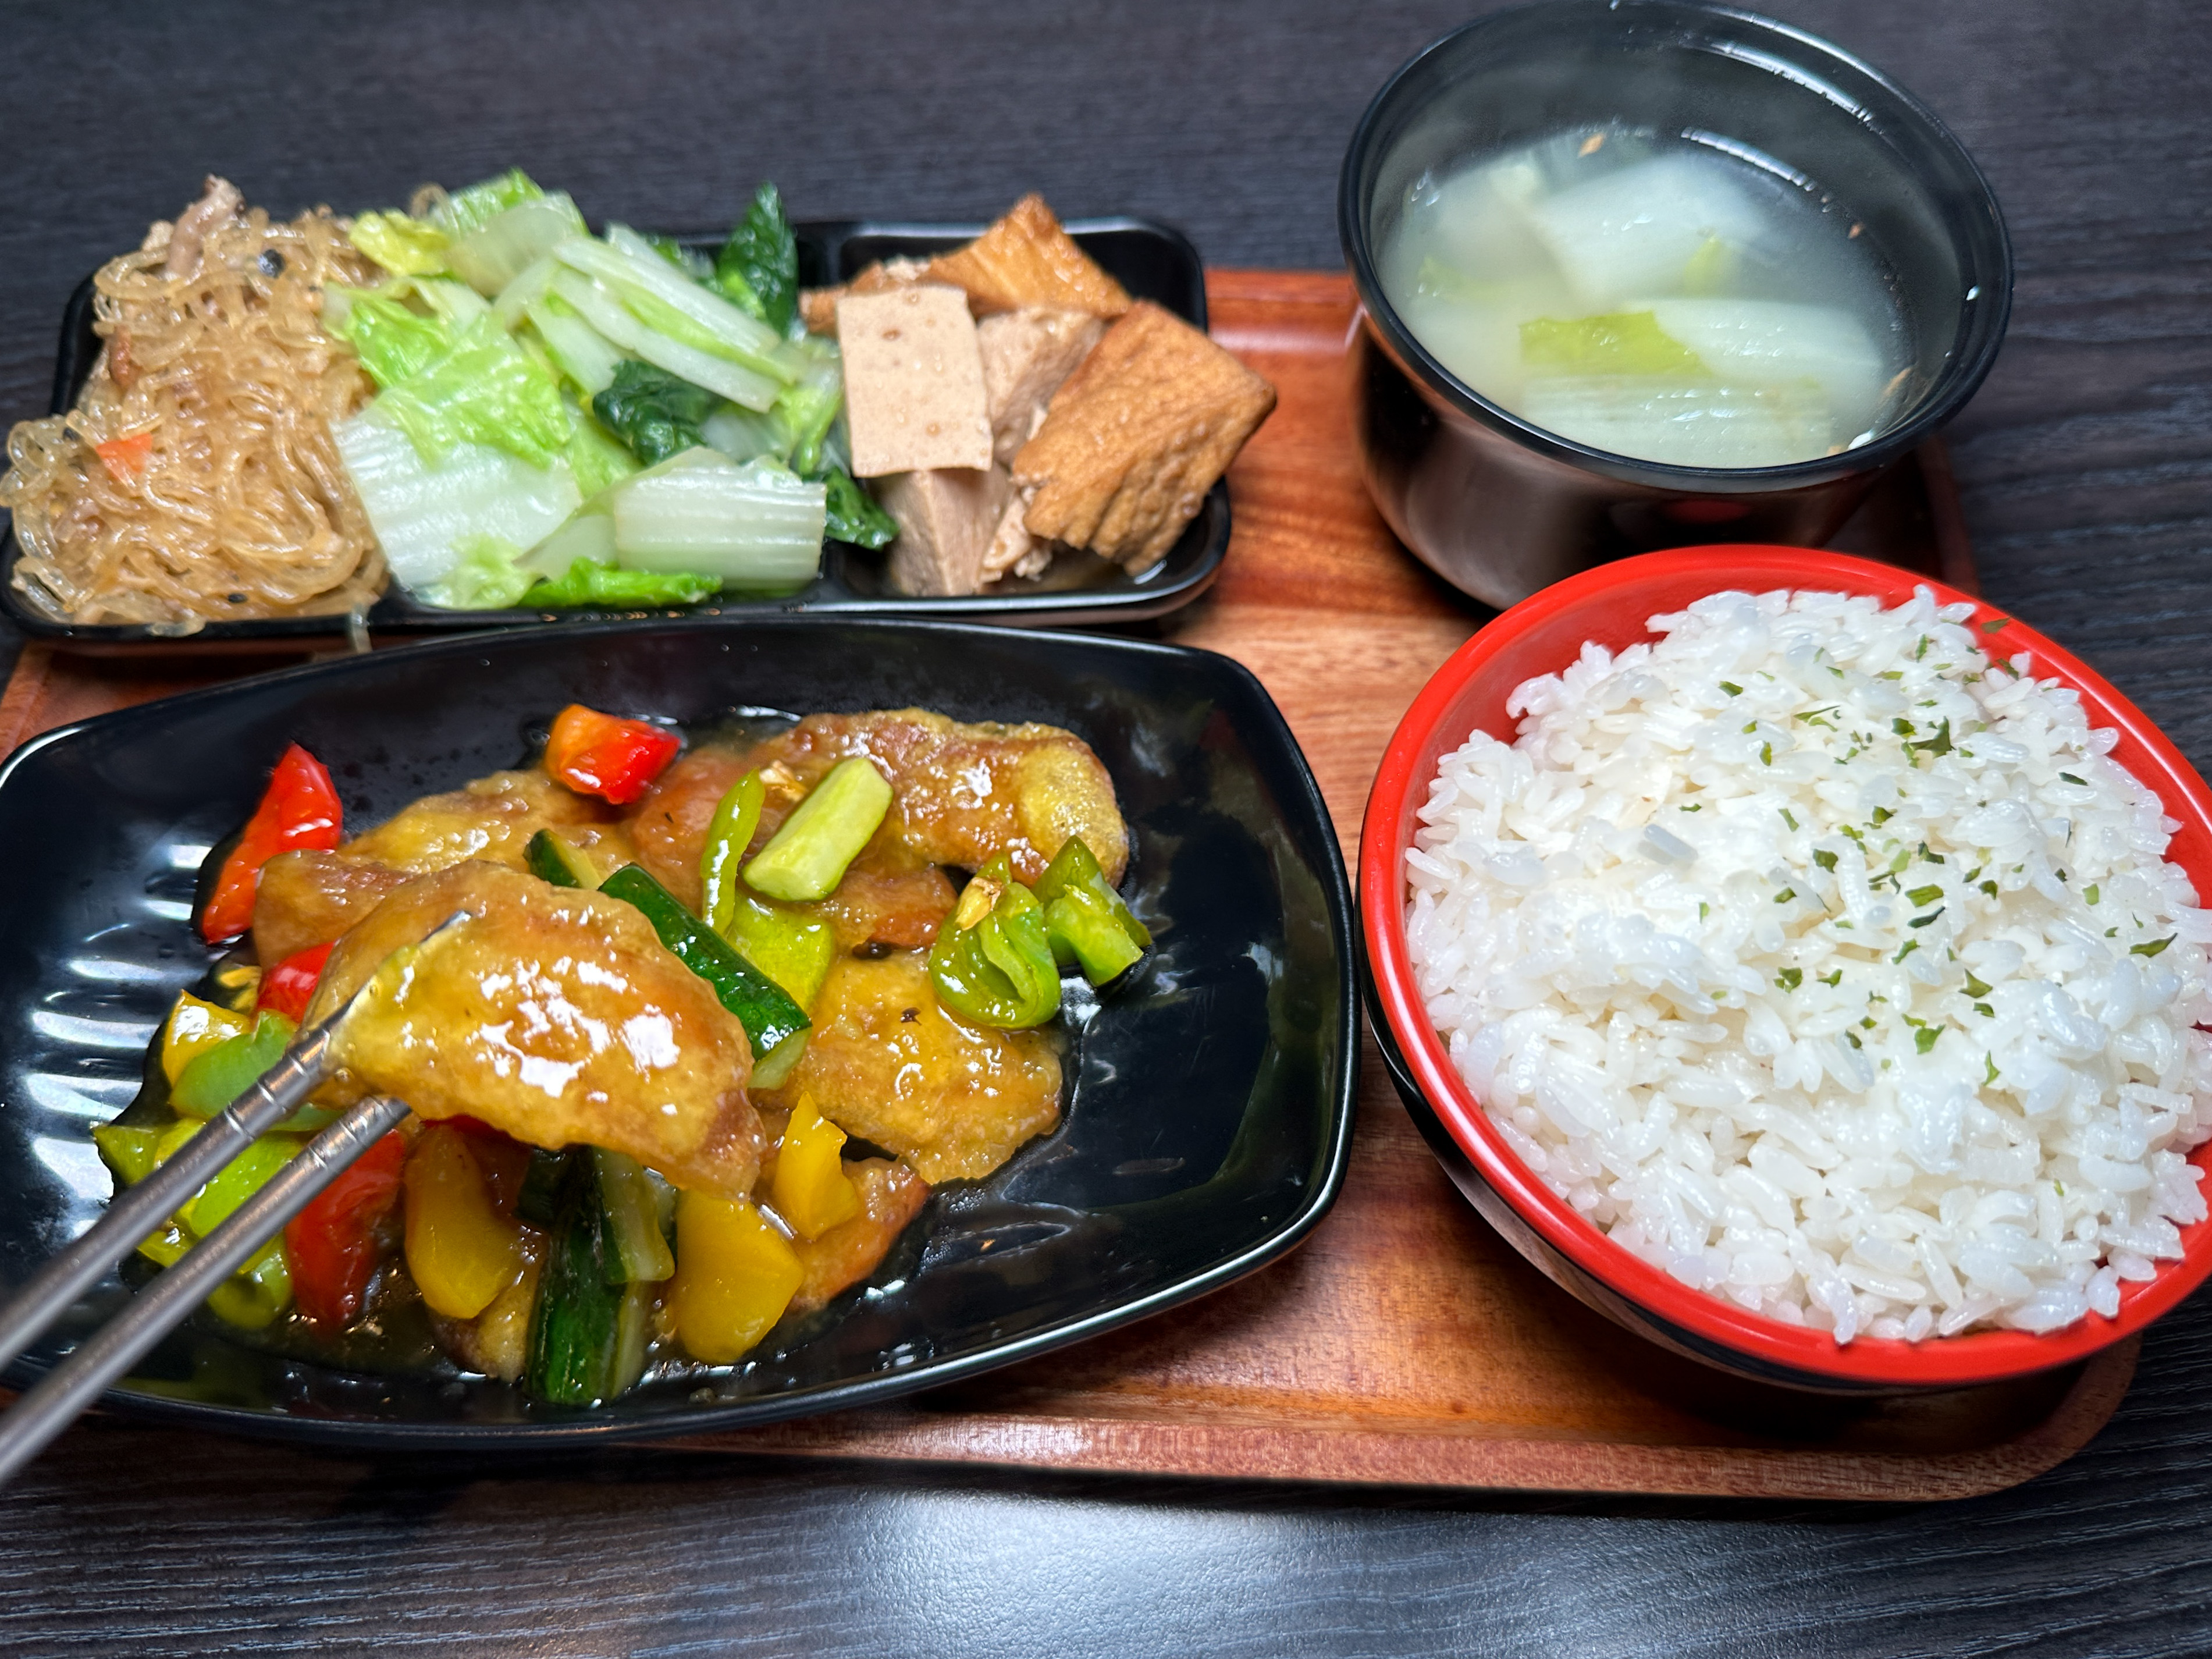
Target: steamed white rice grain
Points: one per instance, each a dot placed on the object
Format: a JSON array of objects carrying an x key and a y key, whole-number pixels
[{"x": 1828, "y": 966}]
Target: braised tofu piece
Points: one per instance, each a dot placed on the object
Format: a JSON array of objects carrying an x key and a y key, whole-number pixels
[
  {"x": 1027, "y": 260},
  {"x": 555, "y": 1014},
  {"x": 880, "y": 903},
  {"x": 946, "y": 520},
  {"x": 885, "y": 1062},
  {"x": 1013, "y": 552},
  {"x": 492, "y": 818},
  {"x": 891, "y": 1195},
  {"x": 668, "y": 824},
  {"x": 961, "y": 794},
  {"x": 914, "y": 382},
  {"x": 889, "y": 895},
  {"x": 310, "y": 898},
  {"x": 1027, "y": 354},
  {"x": 1136, "y": 437}
]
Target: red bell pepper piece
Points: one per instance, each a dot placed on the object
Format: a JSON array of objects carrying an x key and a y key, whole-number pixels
[
  {"x": 597, "y": 754},
  {"x": 331, "y": 1246},
  {"x": 301, "y": 809},
  {"x": 289, "y": 987}
]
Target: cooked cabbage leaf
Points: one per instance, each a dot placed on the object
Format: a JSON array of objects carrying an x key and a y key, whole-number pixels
[
  {"x": 486, "y": 578},
  {"x": 587, "y": 581},
  {"x": 597, "y": 458},
  {"x": 1618, "y": 342},
  {"x": 485, "y": 389},
  {"x": 392, "y": 342},
  {"x": 473, "y": 208},
  {"x": 653, "y": 412},
  {"x": 851, "y": 514},
  {"x": 758, "y": 266},
  {"x": 404, "y": 246}
]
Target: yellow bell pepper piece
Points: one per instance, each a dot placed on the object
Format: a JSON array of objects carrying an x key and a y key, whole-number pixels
[
  {"x": 461, "y": 1251},
  {"x": 811, "y": 1190},
  {"x": 735, "y": 1275},
  {"x": 195, "y": 1026}
]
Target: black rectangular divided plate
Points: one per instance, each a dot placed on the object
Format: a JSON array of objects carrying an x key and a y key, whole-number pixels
[{"x": 1152, "y": 261}]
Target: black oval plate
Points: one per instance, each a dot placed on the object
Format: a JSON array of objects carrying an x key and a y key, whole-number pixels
[
  {"x": 1152, "y": 261},
  {"x": 1209, "y": 1109}
]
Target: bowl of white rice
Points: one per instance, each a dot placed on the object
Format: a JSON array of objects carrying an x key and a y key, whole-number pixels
[{"x": 1801, "y": 963}]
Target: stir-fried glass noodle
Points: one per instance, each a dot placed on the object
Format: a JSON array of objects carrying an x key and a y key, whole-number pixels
[{"x": 196, "y": 480}]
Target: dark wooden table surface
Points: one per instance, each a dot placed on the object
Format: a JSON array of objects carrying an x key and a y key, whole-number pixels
[{"x": 2086, "y": 469}]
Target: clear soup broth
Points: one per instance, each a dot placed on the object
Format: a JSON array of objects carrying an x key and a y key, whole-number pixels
[{"x": 1652, "y": 297}]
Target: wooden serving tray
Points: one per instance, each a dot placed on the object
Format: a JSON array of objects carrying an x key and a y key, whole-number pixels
[{"x": 1405, "y": 1344}]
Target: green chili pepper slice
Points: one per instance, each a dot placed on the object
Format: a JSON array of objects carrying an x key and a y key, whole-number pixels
[
  {"x": 727, "y": 837},
  {"x": 1086, "y": 920},
  {"x": 992, "y": 963}
]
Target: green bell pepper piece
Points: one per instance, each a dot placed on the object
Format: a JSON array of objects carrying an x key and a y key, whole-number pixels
[
  {"x": 243, "y": 1176},
  {"x": 727, "y": 837},
  {"x": 131, "y": 1154},
  {"x": 258, "y": 1292},
  {"x": 1087, "y": 921},
  {"x": 216, "y": 1076},
  {"x": 794, "y": 948},
  {"x": 993, "y": 966}
]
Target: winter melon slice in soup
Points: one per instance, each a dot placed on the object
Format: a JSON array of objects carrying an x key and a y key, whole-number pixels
[{"x": 1657, "y": 298}]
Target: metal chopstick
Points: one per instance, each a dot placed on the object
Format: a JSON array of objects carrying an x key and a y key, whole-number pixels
[
  {"x": 140, "y": 1210},
  {"x": 116, "y": 1346}
]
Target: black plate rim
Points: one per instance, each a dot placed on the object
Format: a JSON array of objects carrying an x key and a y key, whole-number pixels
[
  {"x": 1137, "y": 601},
  {"x": 1334, "y": 1158}
]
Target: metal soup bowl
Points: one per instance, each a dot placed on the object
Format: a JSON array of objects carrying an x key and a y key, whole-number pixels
[{"x": 1500, "y": 507}]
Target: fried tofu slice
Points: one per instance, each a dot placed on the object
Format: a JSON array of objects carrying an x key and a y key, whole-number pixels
[
  {"x": 914, "y": 382},
  {"x": 961, "y": 794},
  {"x": 1136, "y": 437},
  {"x": 891, "y": 1195},
  {"x": 889, "y": 895},
  {"x": 885, "y": 1062},
  {"x": 1027, "y": 355},
  {"x": 555, "y": 1014},
  {"x": 947, "y": 518},
  {"x": 310, "y": 898},
  {"x": 1027, "y": 260}
]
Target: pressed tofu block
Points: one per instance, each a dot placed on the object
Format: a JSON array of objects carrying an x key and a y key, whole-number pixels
[
  {"x": 1027, "y": 354},
  {"x": 946, "y": 520},
  {"x": 914, "y": 382},
  {"x": 1137, "y": 436}
]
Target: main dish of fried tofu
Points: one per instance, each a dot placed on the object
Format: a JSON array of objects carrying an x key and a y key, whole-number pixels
[
  {"x": 1011, "y": 403},
  {"x": 689, "y": 1028}
]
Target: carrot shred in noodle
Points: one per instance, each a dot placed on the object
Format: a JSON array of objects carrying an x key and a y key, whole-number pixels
[{"x": 197, "y": 480}]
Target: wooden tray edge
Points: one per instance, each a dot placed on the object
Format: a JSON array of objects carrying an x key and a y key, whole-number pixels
[{"x": 1467, "y": 1462}]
